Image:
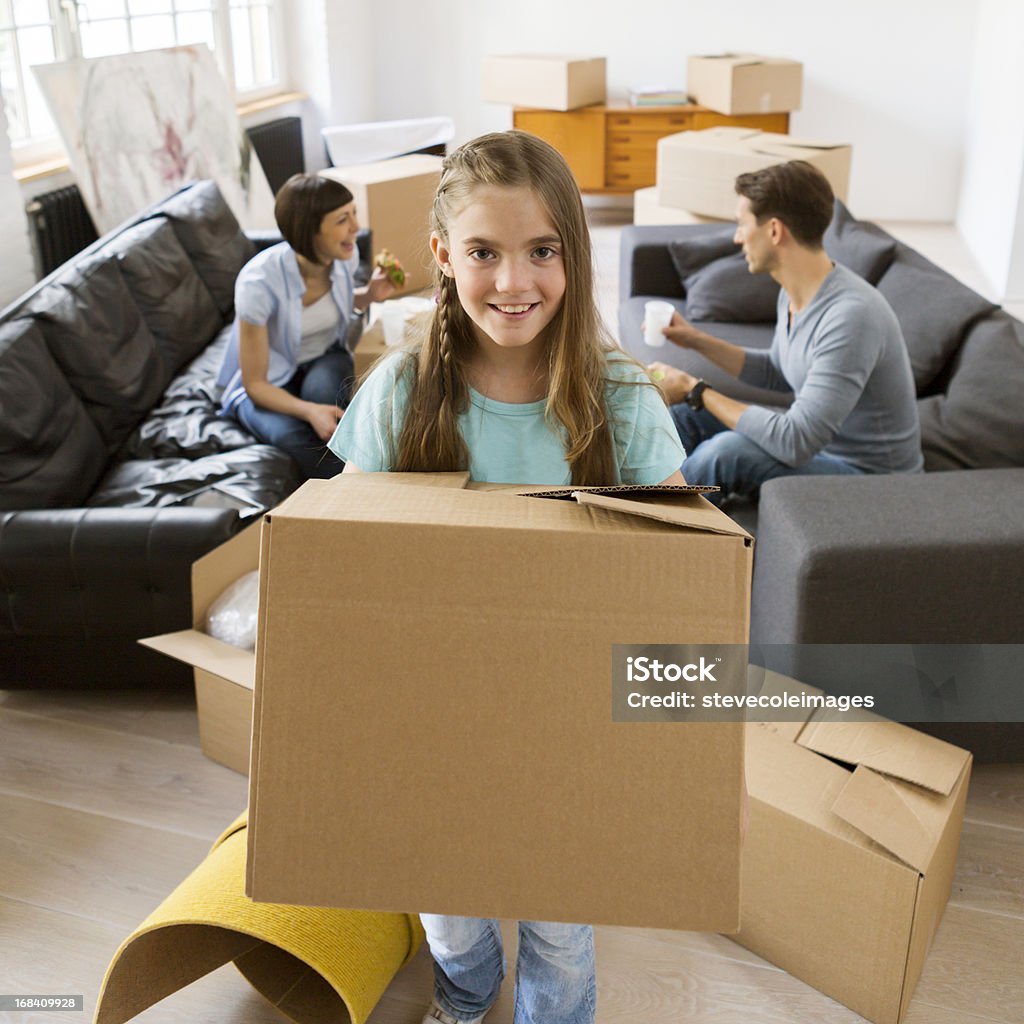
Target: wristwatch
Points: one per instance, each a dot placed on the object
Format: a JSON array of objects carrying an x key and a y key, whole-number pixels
[{"x": 695, "y": 397}]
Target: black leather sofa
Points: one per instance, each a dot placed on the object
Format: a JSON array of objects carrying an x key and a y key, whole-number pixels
[{"x": 116, "y": 471}]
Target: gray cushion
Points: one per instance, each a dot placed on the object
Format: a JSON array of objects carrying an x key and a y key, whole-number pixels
[
  {"x": 977, "y": 423},
  {"x": 934, "y": 310},
  {"x": 726, "y": 290},
  {"x": 717, "y": 283},
  {"x": 866, "y": 249}
]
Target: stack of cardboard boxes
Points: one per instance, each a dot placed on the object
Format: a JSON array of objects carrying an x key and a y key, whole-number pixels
[{"x": 696, "y": 170}]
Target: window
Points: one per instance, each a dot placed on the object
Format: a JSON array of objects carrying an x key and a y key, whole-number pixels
[{"x": 243, "y": 35}]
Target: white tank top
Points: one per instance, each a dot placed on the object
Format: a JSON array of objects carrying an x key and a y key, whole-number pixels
[{"x": 319, "y": 327}]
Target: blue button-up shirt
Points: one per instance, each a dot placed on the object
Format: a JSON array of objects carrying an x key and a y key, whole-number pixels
[{"x": 268, "y": 292}]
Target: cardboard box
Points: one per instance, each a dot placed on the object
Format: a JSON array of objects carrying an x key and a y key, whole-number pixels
[
  {"x": 697, "y": 170},
  {"x": 223, "y": 673},
  {"x": 369, "y": 348},
  {"x": 850, "y": 854},
  {"x": 433, "y": 723},
  {"x": 547, "y": 81},
  {"x": 393, "y": 198},
  {"x": 648, "y": 209},
  {"x": 731, "y": 83}
]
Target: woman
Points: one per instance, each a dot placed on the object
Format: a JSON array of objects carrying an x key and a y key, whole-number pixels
[{"x": 287, "y": 373}]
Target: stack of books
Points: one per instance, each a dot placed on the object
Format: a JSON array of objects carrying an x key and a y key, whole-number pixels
[{"x": 657, "y": 97}]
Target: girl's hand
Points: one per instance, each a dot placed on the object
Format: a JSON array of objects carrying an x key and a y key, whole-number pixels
[
  {"x": 323, "y": 419},
  {"x": 379, "y": 286}
]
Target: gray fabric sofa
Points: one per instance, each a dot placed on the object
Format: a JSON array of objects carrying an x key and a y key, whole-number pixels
[{"x": 927, "y": 559}]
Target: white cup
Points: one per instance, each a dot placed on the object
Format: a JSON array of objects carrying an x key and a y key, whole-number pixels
[{"x": 657, "y": 316}]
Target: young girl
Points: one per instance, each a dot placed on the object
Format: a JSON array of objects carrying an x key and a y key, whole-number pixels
[
  {"x": 517, "y": 382},
  {"x": 287, "y": 371}
]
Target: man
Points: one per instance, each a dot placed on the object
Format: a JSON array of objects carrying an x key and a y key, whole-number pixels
[{"x": 837, "y": 347}]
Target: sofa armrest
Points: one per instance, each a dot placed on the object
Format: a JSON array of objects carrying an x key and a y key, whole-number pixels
[
  {"x": 92, "y": 573},
  {"x": 645, "y": 266},
  {"x": 926, "y": 559}
]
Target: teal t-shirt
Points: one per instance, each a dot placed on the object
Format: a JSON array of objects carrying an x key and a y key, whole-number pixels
[{"x": 514, "y": 443}]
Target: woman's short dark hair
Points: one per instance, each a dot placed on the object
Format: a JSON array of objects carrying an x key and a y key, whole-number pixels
[
  {"x": 302, "y": 203},
  {"x": 796, "y": 193}
]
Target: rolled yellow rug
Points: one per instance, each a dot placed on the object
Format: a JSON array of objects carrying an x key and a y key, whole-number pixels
[{"x": 312, "y": 963}]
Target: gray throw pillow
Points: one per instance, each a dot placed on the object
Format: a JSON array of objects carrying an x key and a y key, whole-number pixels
[
  {"x": 866, "y": 249},
  {"x": 716, "y": 282},
  {"x": 934, "y": 310},
  {"x": 976, "y": 424},
  {"x": 726, "y": 290}
]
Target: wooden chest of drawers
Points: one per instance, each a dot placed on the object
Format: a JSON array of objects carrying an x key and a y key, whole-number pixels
[{"x": 613, "y": 149}]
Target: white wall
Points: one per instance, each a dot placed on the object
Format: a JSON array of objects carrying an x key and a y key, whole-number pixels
[
  {"x": 18, "y": 269},
  {"x": 991, "y": 213},
  {"x": 890, "y": 76}
]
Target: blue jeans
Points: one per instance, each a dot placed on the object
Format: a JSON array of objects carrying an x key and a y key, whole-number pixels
[
  {"x": 555, "y": 974},
  {"x": 326, "y": 380},
  {"x": 727, "y": 459}
]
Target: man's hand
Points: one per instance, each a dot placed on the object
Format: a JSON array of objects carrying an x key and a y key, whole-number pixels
[
  {"x": 323, "y": 419},
  {"x": 675, "y": 384},
  {"x": 680, "y": 332}
]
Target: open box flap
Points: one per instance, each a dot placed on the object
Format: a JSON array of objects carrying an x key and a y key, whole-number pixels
[
  {"x": 678, "y": 506},
  {"x": 787, "y": 144},
  {"x": 887, "y": 747},
  {"x": 736, "y": 59},
  {"x": 202, "y": 651},
  {"x": 906, "y": 820},
  {"x": 218, "y": 569},
  {"x": 692, "y": 511}
]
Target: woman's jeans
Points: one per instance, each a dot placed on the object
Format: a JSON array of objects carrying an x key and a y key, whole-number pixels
[
  {"x": 555, "y": 973},
  {"x": 729, "y": 460},
  {"x": 326, "y": 380}
]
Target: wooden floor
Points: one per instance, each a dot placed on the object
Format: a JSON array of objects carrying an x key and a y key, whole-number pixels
[{"x": 106, "y": 804}]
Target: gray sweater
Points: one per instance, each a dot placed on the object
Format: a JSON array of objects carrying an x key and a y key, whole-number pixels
[{"x": 845, "y": 360}]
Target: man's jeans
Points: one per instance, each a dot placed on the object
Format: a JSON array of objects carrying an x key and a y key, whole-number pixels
[
  {"x": 725, "y": 458},
  {"x": 555, "y": 973},
  {"x": 326, "y": 380}
]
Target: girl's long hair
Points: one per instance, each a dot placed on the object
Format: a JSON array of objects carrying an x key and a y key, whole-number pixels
[{"x": 577, "y": 342}]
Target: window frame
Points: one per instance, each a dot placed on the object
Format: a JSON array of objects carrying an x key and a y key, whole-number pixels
[{"x": 67, "y": 46}]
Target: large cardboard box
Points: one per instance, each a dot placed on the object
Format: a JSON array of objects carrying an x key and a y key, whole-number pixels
[
  {"x": 850, "y": 854},
  {"x": 393, "y": 198},
  {"x": 745, "y": 83},
  {"x": 697, "y": 170},
  {"x": 223, "y": 673},
  {"x": 547, "y": 81},
  {"x": 648, "y": 209},
  {"x": 433, "y": 721}
]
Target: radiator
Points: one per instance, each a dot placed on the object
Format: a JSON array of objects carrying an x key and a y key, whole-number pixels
[
  {"x": 61, "y": 226},
  {"x": 278, "y": 144}
]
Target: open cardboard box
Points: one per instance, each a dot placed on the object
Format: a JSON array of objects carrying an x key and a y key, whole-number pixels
[
  {"x": 433, "y": 726},
  {"x": 697, "y": 170},
  {"x": 850, "y": 854},
  {"x": 223, "y": 673}
]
